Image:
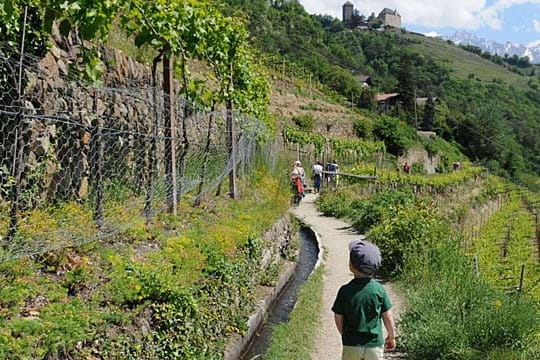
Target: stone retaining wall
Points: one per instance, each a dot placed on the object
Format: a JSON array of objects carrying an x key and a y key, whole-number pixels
[{"x": 277, "y": 241}]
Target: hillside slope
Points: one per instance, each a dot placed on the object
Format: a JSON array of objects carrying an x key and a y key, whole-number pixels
[
  {"x": 464, "y": 63},
  {"x": 292, "y": 97}
]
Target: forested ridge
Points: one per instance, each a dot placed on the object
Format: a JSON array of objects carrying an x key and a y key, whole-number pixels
[
  {"x": 496, "y": 123},
  {"x": 149, "y": 283}
]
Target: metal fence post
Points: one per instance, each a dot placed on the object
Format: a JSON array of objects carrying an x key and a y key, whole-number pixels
[{"x": 18, "y": 163}]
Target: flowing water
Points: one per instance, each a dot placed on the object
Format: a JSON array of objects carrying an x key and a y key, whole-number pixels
[{"x": 284, "y": 304}]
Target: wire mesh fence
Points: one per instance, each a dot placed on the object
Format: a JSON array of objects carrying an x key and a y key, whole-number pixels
[{"x": 81, "y": 163}]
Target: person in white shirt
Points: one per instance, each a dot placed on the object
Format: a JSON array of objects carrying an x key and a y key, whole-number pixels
[{"x": 317, "y": 176}]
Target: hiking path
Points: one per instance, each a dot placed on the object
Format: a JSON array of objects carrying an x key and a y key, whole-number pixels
[{"x": 335, "y": 236}]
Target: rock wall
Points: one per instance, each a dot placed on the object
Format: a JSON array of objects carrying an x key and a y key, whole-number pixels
[
  {"x": 61, "y": 114},
  {"x": 277, "y": 246},
  {"x": 277, "y": 242},
  {"x": 420, "y": 156}
]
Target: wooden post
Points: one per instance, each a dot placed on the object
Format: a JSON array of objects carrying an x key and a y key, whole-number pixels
[
  {"x": 204, "y": 167},
  {"x": 170, "y": 132},
  {"x": 18, "y": 147},
  {"x": 98, "y": 174},
  {"x": 232, "y": 149},
  {"x": 537, "y": 233},
  {"x": 310, "y": 93},
  {"x": 17, "y": 172},
  {"x": 232, "y": 136},
  {"x": 153, "y": 151},
  {"x": 520, "y": 288}
]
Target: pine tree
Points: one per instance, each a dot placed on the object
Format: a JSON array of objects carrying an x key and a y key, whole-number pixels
[{"x": 407, "y": 88}]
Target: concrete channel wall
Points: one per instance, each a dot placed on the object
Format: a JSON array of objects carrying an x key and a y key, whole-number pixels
[{"x": 239, "y": 345}]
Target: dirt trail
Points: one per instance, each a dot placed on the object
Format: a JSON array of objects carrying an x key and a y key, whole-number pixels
[{"x": 335, "y": 236}]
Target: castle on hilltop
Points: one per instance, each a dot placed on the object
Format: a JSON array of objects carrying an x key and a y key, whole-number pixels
[
  {"x": 387, "y": 16},
  {"x": 390, "y": 18}
]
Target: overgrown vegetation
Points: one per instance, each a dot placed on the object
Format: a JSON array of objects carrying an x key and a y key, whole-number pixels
[
  {"x": 453, "y": 311},
  {"x": 159, "y": 285},
  {"x": 294, "y": 339},
  {"x": 413, "y": 66},
  {"x": 177, "y": 287}
]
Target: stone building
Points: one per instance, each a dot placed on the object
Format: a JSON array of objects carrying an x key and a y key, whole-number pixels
[
  {"x": 390, "y": 18},
  {"x": 348, "y": 9}
]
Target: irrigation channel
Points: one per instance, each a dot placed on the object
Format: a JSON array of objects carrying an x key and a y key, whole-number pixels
[{"x": 284, "y": 304}]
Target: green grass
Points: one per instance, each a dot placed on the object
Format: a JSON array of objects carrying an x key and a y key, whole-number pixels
[
  {"x": 295, "y": 339},
  {"x": 464, "y": 62}
]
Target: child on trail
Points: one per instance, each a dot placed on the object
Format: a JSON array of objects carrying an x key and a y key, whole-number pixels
[{"x": 361, "y": 304}]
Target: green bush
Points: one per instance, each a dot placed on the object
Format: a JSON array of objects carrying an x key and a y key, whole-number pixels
[
  {"x": 406, "y": 238},
  {"x": 369, "y": 212},
  {"x": 453, "y": 314},
  {"x": 418, "y": 168},
  {"x": 334, "y": 204},
  {"x": 397, "y": 136},
  {"x": 304, "y": 122},
  {"x": 363, "y": 128}
]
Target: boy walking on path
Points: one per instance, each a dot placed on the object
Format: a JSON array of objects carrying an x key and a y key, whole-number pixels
[{"x": 360, "y": 306}]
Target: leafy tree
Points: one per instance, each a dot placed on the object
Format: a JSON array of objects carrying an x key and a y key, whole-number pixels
[
  {"x": 367, "y": 100},
  {"x": 397, "y": 137},
  {"x": 428, "y": 120}
]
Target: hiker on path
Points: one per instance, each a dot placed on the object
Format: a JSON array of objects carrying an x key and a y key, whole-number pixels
[
  {"x": 301, "y": 172},
  {"x": 332, "y": 176},
  {"x": 360, "y": 306},
  {"x": 297, "y": 182},
  {"x": 317, "y": 171},
  {"x": 407, "y": 168}
]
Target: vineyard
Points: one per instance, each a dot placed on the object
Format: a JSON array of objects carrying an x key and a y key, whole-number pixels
[
  {"x": 143, "y": 203},
  {"x": 466, "y": 235},
  {"x": 128, "y": 191}
]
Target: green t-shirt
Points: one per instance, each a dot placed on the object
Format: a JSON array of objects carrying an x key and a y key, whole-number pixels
[{"x": 362, "y": 302}]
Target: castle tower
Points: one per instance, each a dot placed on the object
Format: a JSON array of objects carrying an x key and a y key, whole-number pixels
[
  {"x": 348, "y": 9},
  {"x": 390, "y": 18}
]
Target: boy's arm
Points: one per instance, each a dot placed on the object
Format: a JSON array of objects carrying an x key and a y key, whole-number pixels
[
  {"x": 339, "y": 322},
  {"x": 388, "y": 321}
]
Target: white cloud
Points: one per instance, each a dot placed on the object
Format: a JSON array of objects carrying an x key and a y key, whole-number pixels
[
  {"x": 536, "y": 25},
  {"x": 324, "y": 7},
  {"x": 435, "y": 13},
  {"x": 432, "y": 34},
  {"x": 463, "y": 14}
]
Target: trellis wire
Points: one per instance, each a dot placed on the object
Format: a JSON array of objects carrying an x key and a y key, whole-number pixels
[{"x": 89, "y": 162}]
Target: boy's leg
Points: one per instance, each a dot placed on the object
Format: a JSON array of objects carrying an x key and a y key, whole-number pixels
[
  {"x": 374, "y": 353},
  {"x": 362, "y": 353},
  {"x": 353, "y": 353}
]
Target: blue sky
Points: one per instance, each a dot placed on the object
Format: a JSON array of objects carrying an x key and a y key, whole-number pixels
[{"x": 517, "y": 21}]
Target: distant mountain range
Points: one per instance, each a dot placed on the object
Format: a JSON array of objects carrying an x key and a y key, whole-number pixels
[{"x": 465, "y": 38}]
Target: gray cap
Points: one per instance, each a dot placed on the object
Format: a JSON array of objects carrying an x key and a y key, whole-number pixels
[{"x": 364, "y": 256}]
